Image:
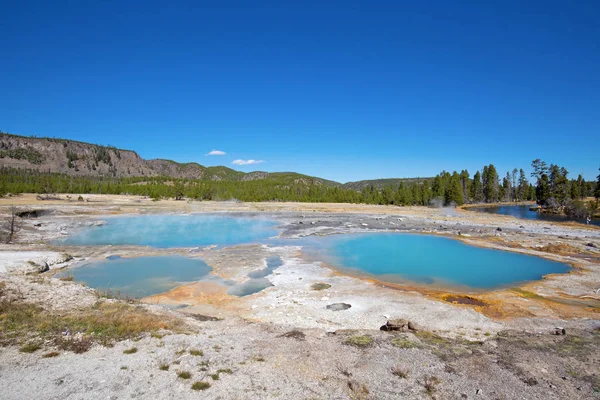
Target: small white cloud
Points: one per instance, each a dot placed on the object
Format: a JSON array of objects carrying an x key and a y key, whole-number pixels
[
  {"x": 247, "y": 162},
  {"x": 216, "y": 153}
]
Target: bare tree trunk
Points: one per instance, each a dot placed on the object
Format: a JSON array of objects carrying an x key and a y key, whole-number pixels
[{"x": 14, "y": 225}]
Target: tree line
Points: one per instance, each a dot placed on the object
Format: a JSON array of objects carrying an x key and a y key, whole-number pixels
[{"x": 551, "y": 188}]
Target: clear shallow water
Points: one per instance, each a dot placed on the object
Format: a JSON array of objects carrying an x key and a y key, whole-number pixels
[
  {"x": 146, "y": 276},
  {"x": 175, "y": 231},
  {"x": 523, "y": 211},
  {"x": 258, "y": 280},
  {"x": 140, "y": 276},
  {"x": 398, "y": 257}
]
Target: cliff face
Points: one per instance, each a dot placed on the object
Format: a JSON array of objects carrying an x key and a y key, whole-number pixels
[
  {"x": 86, "y": 159},
  {"x": 70, "y": 157}
]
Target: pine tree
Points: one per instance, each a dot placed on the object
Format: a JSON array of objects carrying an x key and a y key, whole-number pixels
[
  {"x": 465, "y": 183},
  {"x": 476, "y": 188},
  {"x": 523, "y": 192},
  {"x": 454, "y": 193},
  {"x": 559, "y": 184},
  {"x": 490, "y": 186},
  {"x": 514, "y": 185},
  {"x": 542, "y": 190}
]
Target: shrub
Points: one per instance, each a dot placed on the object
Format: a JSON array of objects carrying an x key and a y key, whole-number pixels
[
  {"x": 200, "y": 385},
  {"x": 163, "y": 367},
  {"x": 400, "y": 372},
  {"x": 184, "y": 375}
]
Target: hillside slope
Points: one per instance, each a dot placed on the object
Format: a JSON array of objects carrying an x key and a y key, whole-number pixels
[{"x": 86, "y": 159}]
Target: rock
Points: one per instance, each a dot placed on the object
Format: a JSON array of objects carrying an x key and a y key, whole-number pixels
[
  {"x": 401, "y": 325},
  {"x": 338, "y": 306},
  {"x": 363, "y": 224},
  {"x": 591, "y": 245},
  {"x": 413, "y": 326},
  {"x": 37, "y": 224},
  {"x": 531, "y": 381},
  {"x": 36, "y": 267},
  {"x": 499, "y": 229},
  {"x": 560, "y": 331},
  {"x": 44, "y": 267}
]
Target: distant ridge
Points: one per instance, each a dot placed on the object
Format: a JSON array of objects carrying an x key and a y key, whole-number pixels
[{"x": 77, "y": 158}]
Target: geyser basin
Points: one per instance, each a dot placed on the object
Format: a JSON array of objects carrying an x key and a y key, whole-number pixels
[
  {"x": 175, "y": 231},
  {"x": 140, "y": 276},
  {"x": 432, "y": 260}
]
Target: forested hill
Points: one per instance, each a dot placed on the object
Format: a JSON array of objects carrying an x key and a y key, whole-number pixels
[
  {"x": 382, "y": 183},
  {"x": 71, "y": 157}
]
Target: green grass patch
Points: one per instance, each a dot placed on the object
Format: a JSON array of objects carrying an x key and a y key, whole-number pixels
[
  {"x": 132, "y": 350},
  {"x": 200, "y": 385},
  {"x": 359, "y": 341},
  {"x": 184, "y": 375},
  {"x": 30, "y": 348},
  {"x": 163, "y": 367},
  {"x": 197, "y": 353},
  {"x": 225, "y": 371},
  {"x": 404, "y": 343}
]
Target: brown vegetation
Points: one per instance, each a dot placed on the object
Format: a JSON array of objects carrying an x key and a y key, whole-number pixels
[{"x": 104, "y": 323}]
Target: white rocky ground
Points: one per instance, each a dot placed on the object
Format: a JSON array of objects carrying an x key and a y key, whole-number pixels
[{"x": 513, "y": 358}]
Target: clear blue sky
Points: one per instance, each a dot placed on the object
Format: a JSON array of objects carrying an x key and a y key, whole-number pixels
[{"x": 343, "y": 90}]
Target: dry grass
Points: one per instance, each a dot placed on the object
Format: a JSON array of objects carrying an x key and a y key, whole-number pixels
[
  {"x": 30, "y": 348},
  {"x": 132, "y": 350},
  {"x": 400, "y": 372},
  {"x": 51, "y": 354},
  {"x": 430, "y": 384},
  {"x": 357, "y": 391},
  {"x": 196, "y": 353},
  {"x": 560, "y": 249},
  {"x": 104, "y": 323}
]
